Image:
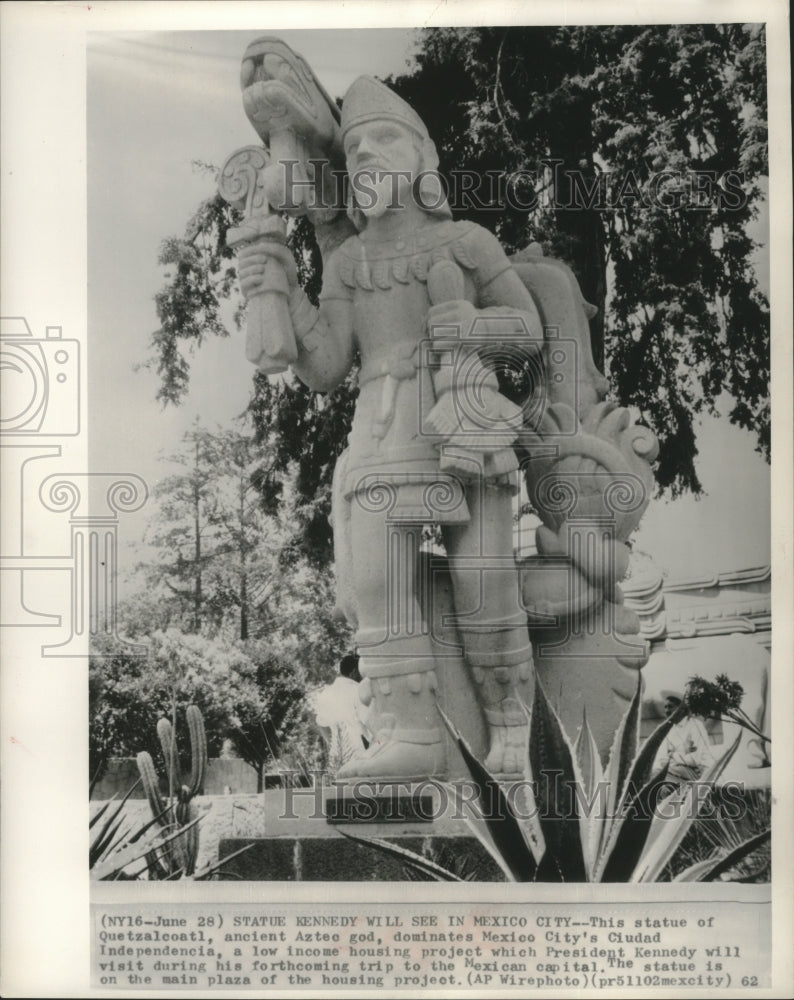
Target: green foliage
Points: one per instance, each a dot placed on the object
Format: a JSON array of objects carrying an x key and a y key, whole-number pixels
[
  {"x": 681, "y": 326},
  {"x": 608, "y": 110},
  {"x": 251, "y": 692},
  {"x": 128, "y": 693},
  {"x": 200, "y": 275}
]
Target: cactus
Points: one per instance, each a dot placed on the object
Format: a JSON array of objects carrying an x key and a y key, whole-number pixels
[
  {"x": 198, "y": 745},
  {"x": 177, "y": 811}
]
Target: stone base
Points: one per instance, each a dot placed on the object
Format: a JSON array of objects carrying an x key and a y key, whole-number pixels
[
  {"x": 322, "y": 859},
  {"x": 299, "y": 843},
  {"x": 386, "y": 804}
]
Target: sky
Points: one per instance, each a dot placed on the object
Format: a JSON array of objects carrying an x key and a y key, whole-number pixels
[{"x": 156, "y": 102}]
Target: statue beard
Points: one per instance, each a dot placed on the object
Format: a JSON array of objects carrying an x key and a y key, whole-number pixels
[{"x": 379, "y": 193}]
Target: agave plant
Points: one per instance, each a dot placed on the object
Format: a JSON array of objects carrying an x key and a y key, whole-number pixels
[
  {"x": 588, "y": 823},
  {"x": 115, "y": 850},
  {"x": 464, "y": 866},
  {"x": 109, "y": 843},
  {"x": 722, "y": 832},
  {"x": 120, "y": 854}
]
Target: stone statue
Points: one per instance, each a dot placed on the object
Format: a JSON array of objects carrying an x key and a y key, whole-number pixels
[{"x": 429, "y": 307}]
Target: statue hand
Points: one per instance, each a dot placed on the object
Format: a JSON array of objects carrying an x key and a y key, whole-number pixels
[
  {"x": 458, "y": 313},
  {"x": 252, "y": 264}
]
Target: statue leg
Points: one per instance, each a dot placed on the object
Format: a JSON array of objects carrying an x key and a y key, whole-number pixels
[
  {"x": 397, "y": 661},
  {"x": 492, "y": 621}
]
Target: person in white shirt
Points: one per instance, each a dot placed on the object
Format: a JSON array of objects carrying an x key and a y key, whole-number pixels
[
  {"x": 687, "y": 747},
  {"x": 340, "y": 714}
]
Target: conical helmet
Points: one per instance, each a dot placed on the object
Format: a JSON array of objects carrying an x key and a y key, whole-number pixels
[{"x": 369, "y": 100}]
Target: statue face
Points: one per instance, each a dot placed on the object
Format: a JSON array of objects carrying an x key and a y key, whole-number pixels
[{"x": 382, "y": 159}]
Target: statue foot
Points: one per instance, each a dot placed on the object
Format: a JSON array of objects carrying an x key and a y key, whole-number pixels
[
  {"x": 399, "y": 755},
  {"x": 504, "y": 761},
  {"x": 508, "y": 730}
]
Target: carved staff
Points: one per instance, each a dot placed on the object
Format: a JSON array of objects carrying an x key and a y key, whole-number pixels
[
  {"x": 293, "y": 114},
  {"x": 270, "y": 340}
]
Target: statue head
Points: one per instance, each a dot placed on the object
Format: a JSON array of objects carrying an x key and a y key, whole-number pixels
[{"x": 390, "y": 156}]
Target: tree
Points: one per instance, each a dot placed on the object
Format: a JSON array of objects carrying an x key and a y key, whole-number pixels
[
  {"x": 647, "y": 144},
  {"x": 248, "y": 558},
  {"x": 615, "y": 125},
  {"x": 270, "y": 716},
  {"x": 184, "y": 523},
  {"x": 199, "y": 278},
  {"x": 128, "y": 694},
  {"x": 218, "y": 553},
  {"x": 251, "y": 693}
]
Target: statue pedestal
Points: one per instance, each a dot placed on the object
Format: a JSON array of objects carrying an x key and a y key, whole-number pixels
[
  {"x": 381, "y": 803},
  {"x": 302, "y": 840}
]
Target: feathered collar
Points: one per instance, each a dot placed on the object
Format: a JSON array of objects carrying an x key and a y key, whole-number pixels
[{"x": 379, "y": 264}]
